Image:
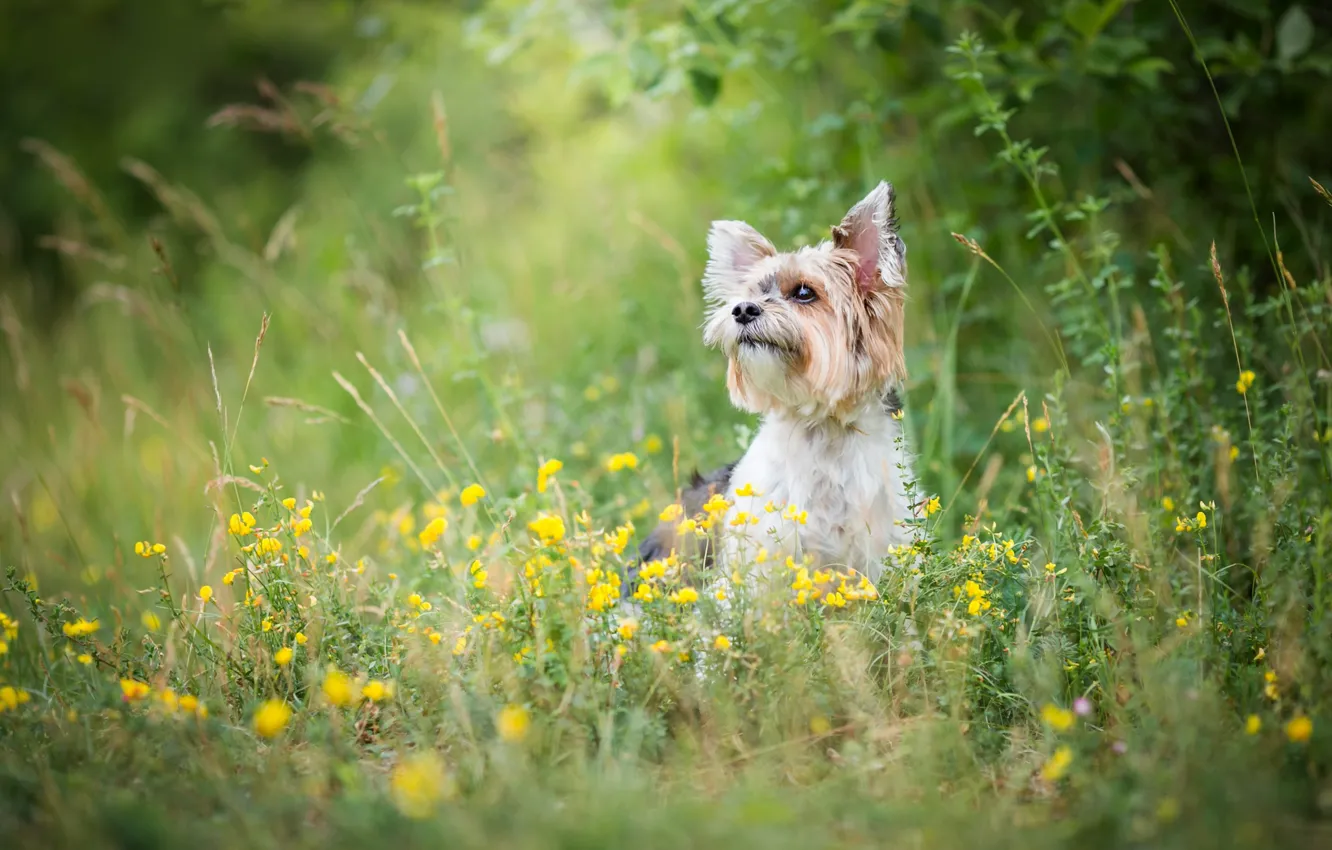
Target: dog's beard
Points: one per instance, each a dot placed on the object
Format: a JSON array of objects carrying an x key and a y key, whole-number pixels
[{"x": 767, "y": 359}]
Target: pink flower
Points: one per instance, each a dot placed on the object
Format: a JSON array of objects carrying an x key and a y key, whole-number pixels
[{"x": 1082, "y": 706}]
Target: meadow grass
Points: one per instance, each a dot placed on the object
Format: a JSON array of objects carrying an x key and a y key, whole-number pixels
[{"x": 328, "y": 549}]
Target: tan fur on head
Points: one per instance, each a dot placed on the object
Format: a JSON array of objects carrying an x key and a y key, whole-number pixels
[{"x": 816, "y": 332}]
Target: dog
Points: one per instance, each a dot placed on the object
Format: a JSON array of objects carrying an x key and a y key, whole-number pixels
[{"x": 814, "y": 345}]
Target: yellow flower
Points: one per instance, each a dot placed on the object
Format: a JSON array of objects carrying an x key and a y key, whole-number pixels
[
  {"x": 628, "y": 628},
  {"x": 1201, "y": 519},
  {"x": 660, "y": 646},
  {"x": 716, "y": 504},
  {"x": 932, "y": 506},
  {"x": 80, "y": 628},
  {"x": 85, "y": 658},
  {"x": 1058, "y": 764},
  {"x": 206, "y": 593},
  {"x": 747, "y": 489},
  {"x": 133, "y": 690},
  {"x": 548, "y": 527},
  {"x": 1182, "y": 621},
  {"x": 150, "y": 621},
  {"x": 239, "y": 524},
  {"x": 471, "y": 494},
  {"x": 1031, "y": 473},
  {"x": 1059, "y": 719},
  {"x": 419, "y": 784},
  {"x": 1252, "y": 724},
  {"x": 434, "y": 530},
  {"x": 1040, "y": 424},
  {"x": 190, "y": 705},
  {"x": 338, "y": 689},
  {"x": 269, "y": 546},
  {"x": 1168, "y": 504},
  {"x": 545, "y": 471},
  {"x": 271, "y": 718},
  {"x": 1245, "y": 381},
  {"x": 512, "y": 723},
  {"x": 722, "y": 642},
  {"x": 684, "y": 596},
  {"x": 377, "y": 691},
  {"x": 283, "y": 656},
  {"x": 267, "y": 624},
  {"x": 652, "y": 444},
  {"x": 1299, "y": 729},
  {"x": 624, "y": 460},
  {"x": 289, "y": 503},
  {"x": 301, "y": 638},
  {"x": 11, "y": 698},
  {"x": 460, "y": 645}
]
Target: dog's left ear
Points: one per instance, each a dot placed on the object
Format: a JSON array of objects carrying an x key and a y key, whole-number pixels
[{"x": 870, "y": 229}]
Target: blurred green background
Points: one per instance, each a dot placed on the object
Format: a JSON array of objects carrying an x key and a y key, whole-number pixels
[{"x": 524, "y": 188}]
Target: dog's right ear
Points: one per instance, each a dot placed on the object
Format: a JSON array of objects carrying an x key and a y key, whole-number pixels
[{"x": 733, "y": 249}]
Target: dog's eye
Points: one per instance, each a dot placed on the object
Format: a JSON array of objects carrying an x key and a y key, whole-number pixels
[{"x": 804, "y": 294}]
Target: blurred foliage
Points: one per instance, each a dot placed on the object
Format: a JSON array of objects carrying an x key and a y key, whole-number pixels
[{"x": 105, "y": 80}]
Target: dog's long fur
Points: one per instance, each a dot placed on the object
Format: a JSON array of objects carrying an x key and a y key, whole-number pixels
[{"x": 813, "y": 340}]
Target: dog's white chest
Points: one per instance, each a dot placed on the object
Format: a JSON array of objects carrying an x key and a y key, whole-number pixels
[{"x": 846, "y": 484}]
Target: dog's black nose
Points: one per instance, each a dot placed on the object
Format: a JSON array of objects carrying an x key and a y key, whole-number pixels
[{"x": 746, "y": 312}]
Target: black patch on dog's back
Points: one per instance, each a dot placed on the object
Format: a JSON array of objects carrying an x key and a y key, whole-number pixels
[{"x": 663, "y": 539}]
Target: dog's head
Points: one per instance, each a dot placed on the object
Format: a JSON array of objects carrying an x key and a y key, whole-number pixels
[{"x": 813, "y": 332}]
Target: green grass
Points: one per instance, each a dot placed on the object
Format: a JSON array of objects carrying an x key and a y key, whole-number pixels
[{"x": 1129, "y": 561}]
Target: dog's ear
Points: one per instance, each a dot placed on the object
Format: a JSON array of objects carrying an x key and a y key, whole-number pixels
[
  {"x": 733, "y": 249},
  {"x": 870, "y": 229}
]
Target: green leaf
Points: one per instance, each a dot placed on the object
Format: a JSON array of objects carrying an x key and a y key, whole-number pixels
[
  {"x": 1090, "y": 18},
  {"x": 1294, "y": 34}
]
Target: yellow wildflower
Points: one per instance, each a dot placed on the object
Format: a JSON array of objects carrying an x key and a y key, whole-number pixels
[
  {"x": 545, "y": 471},
  {"x": 11, "y": 698},
  {"x": 1201, "y": 519},
  {"x": 1246, "y": 378},
  {"x": 283, "y": 656},
  {"x": 1253, "y": 724},
  {"x": 434, "y": 530},
  {"x": 150, "y": 621},
  {"x": 548, "y": 527},
  {"x": 1059, "y": 719},
  {"x": 747, "y": 489},
  {"x": 1057, "y": 765},
  {"x": 471, "y": 494},
  {"x": 238, "y": 525},
  {"x": 660, "y": 646},
  {"x": 722, "y": 642},
  {"x": 932, "y": 506},
  {"x": 206, "y": 593},
  {"x": 85, "y": 658},
  {"x": 621, "y": 461},
  {"x": 271, "y": 718},
  {"x": 301, "y": 638},
  {"x": 377, "y": 691},
  {"x": 1168, "y": 504},
  {"x": 337, "y": 688},
  {"x": 513, "y": 723},
  {"x": 684, "y": 596},
  {"x": 133, "y": 690},
  {"x": 418, "y": 784},
  {"x": 1299, "y": 729},
  {"x": 80, "y": 628}
]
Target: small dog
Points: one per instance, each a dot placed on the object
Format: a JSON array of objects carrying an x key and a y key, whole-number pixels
[{"x": 813, "y": 340}]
